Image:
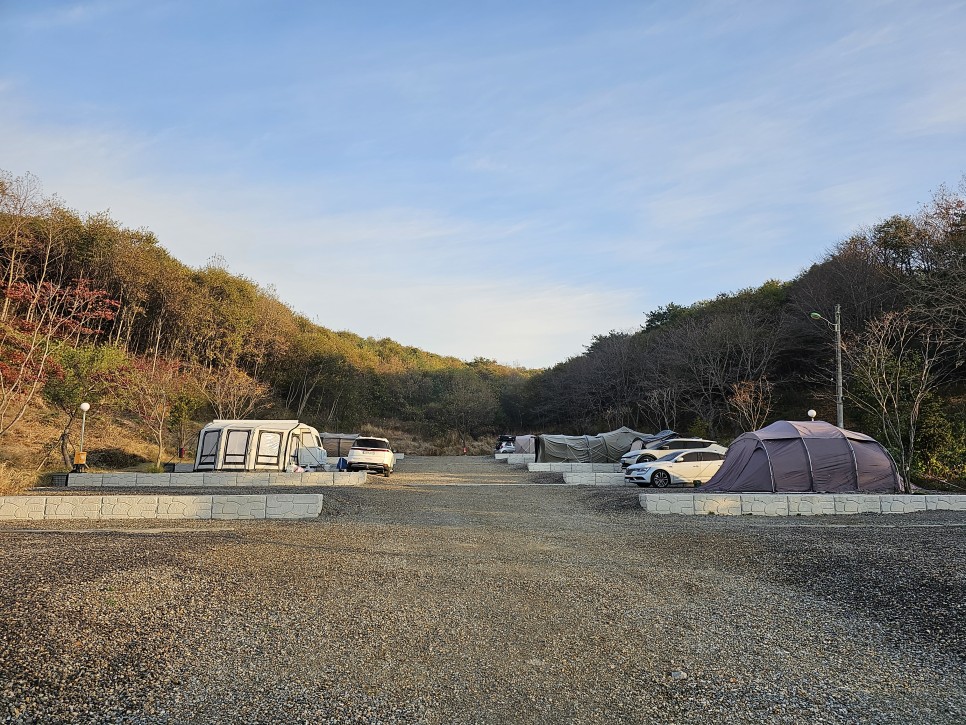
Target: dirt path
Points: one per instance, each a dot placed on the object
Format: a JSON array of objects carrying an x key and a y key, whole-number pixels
[{"x": 447, "y": 596}]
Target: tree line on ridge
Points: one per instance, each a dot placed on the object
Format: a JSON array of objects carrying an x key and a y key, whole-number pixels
[{"x": 95, "y": 311}]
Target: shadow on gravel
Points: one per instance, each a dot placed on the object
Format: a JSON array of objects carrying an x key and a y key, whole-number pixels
[
  {"x": 544, "y": 477},
  {"x": 610, "y": 499},
  {"x": 910, "y": 579},
  {"x": 907, "y": 574}
]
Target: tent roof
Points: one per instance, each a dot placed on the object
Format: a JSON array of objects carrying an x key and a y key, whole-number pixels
[
  {"x": 284, "y": 424},
  {"x": 783, "y": 429},
  {"x": 601, "y": 448}
]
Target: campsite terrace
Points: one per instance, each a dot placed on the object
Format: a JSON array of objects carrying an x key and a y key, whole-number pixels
[
  {"x": 788, "y": 468},
  {"x": 482, "y": 595}
]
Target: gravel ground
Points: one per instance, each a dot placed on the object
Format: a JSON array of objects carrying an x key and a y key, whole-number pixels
[{"x": 412, "y": 601}]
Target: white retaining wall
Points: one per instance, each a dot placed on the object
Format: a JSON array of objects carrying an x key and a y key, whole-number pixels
[
  {"x": 596, "y": 479},
  {"x": 270, "y": 506},
  {"x": 804, "y": 504},
  {"x": 520, "y": 458},
  {"x": 219, "y": 478},
  {"x": 575, "y": 467}
]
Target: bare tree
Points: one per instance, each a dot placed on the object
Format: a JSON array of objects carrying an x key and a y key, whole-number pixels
[
  {"x": 20, "y": 201},
  {"x": 938, "y": 280},
  {"x": 659, "y": 406},
  {"x": 751, "y": 402},
  {"x": 896, "y": 364},
  {"x": 716, "y": 352},
  {"x": 232, "y": 393},
  {"x": 149, "y": 391}
]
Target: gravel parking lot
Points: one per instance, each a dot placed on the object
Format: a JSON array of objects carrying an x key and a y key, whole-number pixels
[{"x": 420, "y": 599}]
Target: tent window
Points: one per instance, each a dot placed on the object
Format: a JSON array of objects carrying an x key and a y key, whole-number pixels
[
  {"x": 209, "y": 447},
  {"x": 236, "y": 446},
  {"x": 269, "y": 444}
]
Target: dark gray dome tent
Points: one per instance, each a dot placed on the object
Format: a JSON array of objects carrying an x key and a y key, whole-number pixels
[{"x": 805, "y": 457}]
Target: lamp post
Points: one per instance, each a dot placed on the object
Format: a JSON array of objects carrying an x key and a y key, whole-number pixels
[
  {"x": 837, "y": 326},
  {"x": 80, "y": 458}
]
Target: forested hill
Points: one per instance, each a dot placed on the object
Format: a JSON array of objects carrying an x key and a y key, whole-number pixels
[
  {"x": 108, "y": 310},
  {"x": 95, "y": 311},
  {"x": 741, "y": 360}
]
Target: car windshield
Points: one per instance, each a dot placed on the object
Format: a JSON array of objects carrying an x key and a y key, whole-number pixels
[
  {"x": 670, "y": 456},
  {"x": 371, "y": 443}
]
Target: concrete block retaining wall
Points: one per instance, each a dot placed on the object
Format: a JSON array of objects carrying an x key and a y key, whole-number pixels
[
  {"x": 200, "y": 480},
  {"x": 807, "y": 504},
  {"x": 575, "y": 467},
  {"x": 596, "y": 479},
  {"x": 173, "y": 508},
  {"x": 520, "y": 458},
  {"x": 269, "y": 506}
]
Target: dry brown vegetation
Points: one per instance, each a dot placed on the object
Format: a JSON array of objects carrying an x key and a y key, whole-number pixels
[
  {"x": 28, "y": 458},
  {"x": 444, "y": 445}
]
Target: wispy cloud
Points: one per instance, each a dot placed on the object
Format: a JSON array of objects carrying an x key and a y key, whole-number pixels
[{"x": 576, "y": 168}]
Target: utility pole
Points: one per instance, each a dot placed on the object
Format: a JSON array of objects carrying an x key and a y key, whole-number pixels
[
  {"x": 837, "y": 326},
  {"x": 839, "y": 408}
]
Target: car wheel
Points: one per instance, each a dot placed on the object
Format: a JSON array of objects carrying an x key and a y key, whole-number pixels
[
  {"x": 646, "y": 459},
  {"x": 386, "y": 471},
  {"x": 661, "y": 479}
]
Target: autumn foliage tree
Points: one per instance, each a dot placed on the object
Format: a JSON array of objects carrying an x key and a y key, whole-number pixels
[
  {"x": 44, "y": 314},
  {"x": 149, "y": 392}
]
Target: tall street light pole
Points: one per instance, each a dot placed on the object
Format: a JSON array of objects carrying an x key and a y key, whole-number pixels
[
  {"x": 837, "y": 326},
  {"x": 80, "y": 459}
]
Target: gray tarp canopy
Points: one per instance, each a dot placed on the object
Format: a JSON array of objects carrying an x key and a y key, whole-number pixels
[
  {"x": 601, "y": 448},
  {"x": 338, "y": 444},
  {"x": 524, "y": 443},
  {"x": 805, "y": 457}
]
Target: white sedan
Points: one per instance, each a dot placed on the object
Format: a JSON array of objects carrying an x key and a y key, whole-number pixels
[{"x": 677, "y": 468}]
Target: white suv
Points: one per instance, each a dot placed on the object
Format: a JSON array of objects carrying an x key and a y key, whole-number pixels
[
  {"x": 371, "y": 454},
  {"x": 658, "y": 449}
]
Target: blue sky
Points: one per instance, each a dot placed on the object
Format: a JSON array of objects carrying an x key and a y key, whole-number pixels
[{"x": 497, "y": 179}]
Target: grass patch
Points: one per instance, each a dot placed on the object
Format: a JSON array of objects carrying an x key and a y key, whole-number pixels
[{"x": 15, "y": 481}]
